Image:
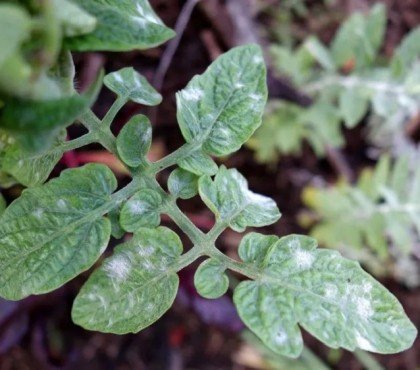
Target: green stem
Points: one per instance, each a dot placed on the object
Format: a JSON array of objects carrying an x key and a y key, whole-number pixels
[
  {"x": 103, "y": 134},
  {"x": 367, "y": 360},
  {"x": 188, "y": 258},
  {"x": 232, "y": 264},
  {"x": 76, "y": 143},
  {"x": 215, "y": 232},
  {"x": 113, "y": 111},
  {"x": 173, "y": 158}
]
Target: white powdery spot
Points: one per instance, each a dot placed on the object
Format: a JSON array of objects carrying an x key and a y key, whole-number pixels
[
  {"x": 304, "y": 259},
  {"x": 239, "y": 85},
  {"x": 118, "y": 268},
  {"x": 363, "y": 343},
  {"x": 280, "y": 337},
  {"x": 38, "y": 213},
  {"x": 364, "y": 308},
  {"x": 192, "y": 94},
  {"x": 255, "y": 97},
  {"x": 149, "y": 307},
  {"x": 145, "y": 251},
  {"x": 137, "y": 82},
  {"x": 61, "y": 203},
  {"x": 20, "y": 163},
  {"x": 330, "y": 291},
  {"x": 259, "y": 199},
  {"x": 137, "y": 207},
  {"x": 367, "y": 287},
  {"x": 148, "y": 265},
  {"x": 257, "y": 59},
  {"x": 118, "y": 77}
]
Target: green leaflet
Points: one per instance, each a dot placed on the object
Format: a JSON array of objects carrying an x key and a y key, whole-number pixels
[
  {"x": 141, "y": 210},
  {"x": 14, "y": 29},
  {"x": 199, "y": 163},
  {"x": 182, "y": 184},
  {"x": 220, "y": 109},
  {"x": 73, "y": 19},
  {"x": 353, "y": 106},
  {"x": 134, "y": 287},
  {"x": 232, "y": 202},
  {"x": 36, "y": 122},
  {"x": 134, "y": 140},
  {"x": 131, "y": 85},
  {"x": 328, "y": 295},
  {"x": 32, "y": 169},
  {"x": 122, "y": 25},
  {"x": 210, "y": 279},
  {"x": 359, "y": 38},
  {"x": 320, "y": 53},
  {"x": 407, "y": 53},
  {"x": 55, "y": 231}
]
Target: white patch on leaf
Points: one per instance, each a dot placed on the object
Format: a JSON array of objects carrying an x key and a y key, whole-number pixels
[
  {"x": 363, "y": 343},
  {"x": 61, "y": 203},
  {"x": 192, "y": 94},
  {"x": 137, "y": 207},
  {"x": 304, "y": 259},
  {"x": 38, "y": 212},
  {"x": 118, "y": 268},
  {"x": 364, "y": 308},
  {"x": 280, "y": 337}
]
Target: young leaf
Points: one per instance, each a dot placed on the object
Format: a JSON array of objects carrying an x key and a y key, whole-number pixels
[
  {"x": 14, "y": 29},
  {"x": 199, "y": 163},
  {"x": 134, "y": 287},
  {"x": 32, "y": 169},
  {"x": 353, "y": 106},
  {"x": 134, "y": 140},
  {"x": 131, "y": 85},
  {"x": 232, "y": 202},
  {"x": 220, "y": 109},
  {"x": 36, "y": 122},
  {"x": 141, "y": 210},
  {"x": 74, "y": 20},
  {"x": 122, "y": 25},
  {"x": 407, "y": 53},
  {"x": 210, "y": 279},
  {"x": 328, "y": 295},
  {"x": 320, "y": 53},
  {"x": 183, "y": 184},
  {"x": 55, "y": 231}
]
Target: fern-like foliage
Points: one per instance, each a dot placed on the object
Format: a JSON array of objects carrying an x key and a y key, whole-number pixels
[
  {"x": 347, "y": 80},
  {"x": 382, "y": 209}
]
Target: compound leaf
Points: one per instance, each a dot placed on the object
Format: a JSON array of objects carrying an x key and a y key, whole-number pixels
[
  {"x": 210, "y": 279},
  {"x": 55, "y": 231},
  {"x": 141, "y": 210},
  {"x": 220, "y": 109},
  {"x": 134, "y": 287},
  {"x": 131, "y": 85},
  {"x": 134, "y": 140},
  {"x": 183, "y": 184},
  {"x": 328, "y": 295},
  {"x": 122, "y": 25},
  {"x": 232, "y": 202}
]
